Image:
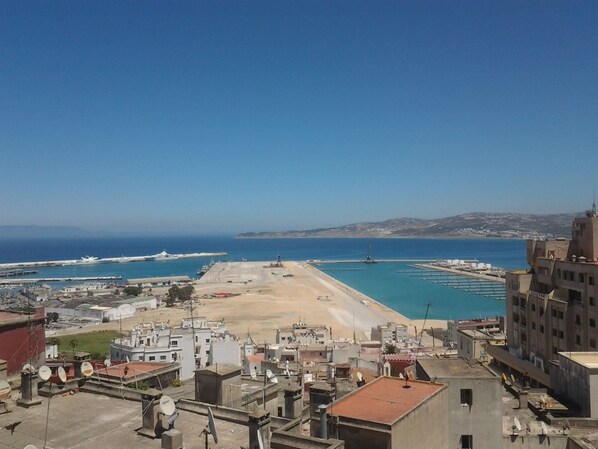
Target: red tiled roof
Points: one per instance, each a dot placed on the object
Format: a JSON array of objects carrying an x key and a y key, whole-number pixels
[{"x": 385, "y": 400}]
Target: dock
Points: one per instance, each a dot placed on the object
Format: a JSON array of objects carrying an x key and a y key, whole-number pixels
[
  {"x": 65, "y": 279},
  {"x": 371, "y": 261},
  {"x": 92, "y": 261}
]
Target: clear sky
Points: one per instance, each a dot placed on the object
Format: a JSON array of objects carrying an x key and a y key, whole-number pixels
[{"x": 231, "y": 116}]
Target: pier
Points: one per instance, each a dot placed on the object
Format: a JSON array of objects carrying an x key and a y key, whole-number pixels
[
  {"x": 371, "y": 261},
  {"x": 92, "y": 261},
  {"x": 66, "y": 279}
]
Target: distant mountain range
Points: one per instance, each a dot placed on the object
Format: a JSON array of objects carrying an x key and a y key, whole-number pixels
[
  {"x": 32, "y": 232},
  {"x": 474, "y": 225}
]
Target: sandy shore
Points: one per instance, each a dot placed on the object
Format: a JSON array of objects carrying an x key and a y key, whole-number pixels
[{"x": 272, "y": 297}]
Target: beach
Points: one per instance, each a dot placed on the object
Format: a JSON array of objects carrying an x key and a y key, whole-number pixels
[{"x": 266, "y": 297}]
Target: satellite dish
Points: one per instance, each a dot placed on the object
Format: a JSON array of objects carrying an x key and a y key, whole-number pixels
[
  {"x": 212, "y": 425},
  {"x": 517, "y": 424},
  {"x": 260, "y": 442},
  {"x": 167, "y": 405},
  {"x": 86, "y": 369},
  {"x": 359, "y": 376},
  {"x": 44, "y": 373},
  {"x": 269, "y": 374},
  {"x": 512, "y": 379},
  {"x": 62, "y": 374},
  {"x": 28, "y": 367},
  {"x": 544, "y": 428},
  {"x": 127, "y": 358},
  {"x": 107, "y": 363}
]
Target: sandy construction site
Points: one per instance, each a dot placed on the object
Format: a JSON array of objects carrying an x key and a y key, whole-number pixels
[{"x": 267, "y": 297}]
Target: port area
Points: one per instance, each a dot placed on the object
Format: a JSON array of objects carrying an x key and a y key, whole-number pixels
[
  {"x": 471, "y": 269},
  {"x": 94, "y": 260},
  {"x": 67, "y": 279}
]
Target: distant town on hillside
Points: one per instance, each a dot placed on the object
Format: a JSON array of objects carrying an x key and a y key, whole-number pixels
[{"x": 472, "y": 225}]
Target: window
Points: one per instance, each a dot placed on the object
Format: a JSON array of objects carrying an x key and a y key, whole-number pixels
[
  {"x": 541, "y": 310},
  {"x": 533, "y": 307},
  {"x": 523, "y": 337},
  {"x": 581, "y": 278},
  {"x": 577, "y": 339},
  {"x": 592, "y": 322},
  {"x": 577, "y": 319},
  {"x": 466, "y": 396},
  {"x": 541, "y": 328},
  {"x": 560, "y": 315},
  {"x": 533, "y": 324},
  {"x": 591, "y": 280},
  {"x": 591, "y": 300},
  {"x": 558, "y": 273},
  {"x": 554, "y": 332},
  {"x": 592, "y": 343},
  {"x": 561, "y": 335},
  {"x": 174, "y": 343},
  {"x": 207, "y": 340},
  {"x": 554, "y": 313},
  {"x": 515, "y": 318},
  {"x": 466, "y": 441},
  {"x": 162, "y": 357},
  {"x": 152, "y": 358}
]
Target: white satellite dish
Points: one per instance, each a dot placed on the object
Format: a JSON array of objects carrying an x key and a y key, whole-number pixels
[
  {"x": 544, "y": 428},
  {"x": 44, "y": 373},
  {"x": 359, "y": 376},
  {"x": 28, "y": 367},
  {"x": 107, "y": 363},
  {"x": 260, "y": 442},
  {"x": 516, "y": 424},
  {"x": 212, "y": 425},
  {"x": 62, "y": 374},
  {"x": 86, "y": 369},
  {"x": 167, "y": 405},
  {"x": 512, "y": 379},
  {"x": 271, "y": 377}
]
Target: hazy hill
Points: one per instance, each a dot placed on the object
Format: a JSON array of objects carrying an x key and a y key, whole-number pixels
[
  {"x": 32, "y": 232},
  {"x": 499, "y": 225}
]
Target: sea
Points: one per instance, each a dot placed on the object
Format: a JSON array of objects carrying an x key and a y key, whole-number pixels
[{"x": 393, "y": 284}]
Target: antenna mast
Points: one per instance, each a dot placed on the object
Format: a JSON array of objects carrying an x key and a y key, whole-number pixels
[{"x": 421, "y": 334}]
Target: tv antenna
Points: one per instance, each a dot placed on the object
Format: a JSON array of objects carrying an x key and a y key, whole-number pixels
[{"x": 210, "y": 429}]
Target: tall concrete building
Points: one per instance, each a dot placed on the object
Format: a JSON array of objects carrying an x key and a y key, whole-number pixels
[{"x": 553, "y": 307}]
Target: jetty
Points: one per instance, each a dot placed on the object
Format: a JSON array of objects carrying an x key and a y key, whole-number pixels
[
  {"x": 323, "y": 262},
  {"x": 95, "y": 260},
  {"x": 65, "y": 279}
]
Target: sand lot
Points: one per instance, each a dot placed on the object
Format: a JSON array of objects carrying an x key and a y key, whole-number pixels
[{"x": 271, "y": 297}]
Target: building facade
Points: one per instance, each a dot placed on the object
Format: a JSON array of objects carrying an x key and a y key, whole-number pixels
[
  {"x": 22, "y": 340},
  {"x": 553, "y": 307}
]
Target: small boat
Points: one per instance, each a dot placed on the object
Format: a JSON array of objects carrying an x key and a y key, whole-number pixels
[
  {"x": 89, "y": 259},
  {"x": 203, "y": 270}
]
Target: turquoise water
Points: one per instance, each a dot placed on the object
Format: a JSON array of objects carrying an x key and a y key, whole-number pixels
[
  {"x": 382, "y": 281},
  {"x": 394, "y": 285}
]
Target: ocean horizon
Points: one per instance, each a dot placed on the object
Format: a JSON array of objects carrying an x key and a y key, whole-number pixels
[{"x": 388, "y": 283}]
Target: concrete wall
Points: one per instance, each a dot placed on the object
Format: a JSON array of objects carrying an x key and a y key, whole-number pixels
[
  {"x": 483, "y": 420},
  {"x": 414, "y": 431},
  {"x": 534, "y": 442}
]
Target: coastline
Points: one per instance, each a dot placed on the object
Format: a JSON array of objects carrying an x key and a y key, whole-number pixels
[{"x": 267, "y": 297}]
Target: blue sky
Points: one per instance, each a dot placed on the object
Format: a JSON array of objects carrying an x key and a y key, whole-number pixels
[{"x": 231, "y": 116}]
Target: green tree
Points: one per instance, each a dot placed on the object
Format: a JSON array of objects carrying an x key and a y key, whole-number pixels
[
  {"x": 390, "y": 348},
  {"x": 133, "y": 291},
  {"x": 186, "y": 292},
  {"x": 173, "y": 293},
  {"x": 74, "y": 343}
]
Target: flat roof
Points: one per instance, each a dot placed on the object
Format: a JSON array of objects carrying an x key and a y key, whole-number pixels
[
  {"x": 159, "y": 280},
  {"x": 385, "y": 400},
  {"x": 133, "y": 369},
  {"x": 459, "y": 368},
  {"x": 587, "y": 359},
  {"x": 220, "y": 369}
]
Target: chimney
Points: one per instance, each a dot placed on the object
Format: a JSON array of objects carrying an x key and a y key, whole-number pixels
[
  {"x": 259, "y": 421},
  {"x": 523, "y": 398},
  {"x": 150, "y": 407},
  {"x": 29, "y": 396},
  {"x": 293, "y": 402},
  {"x": 323, "y": 422}
]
